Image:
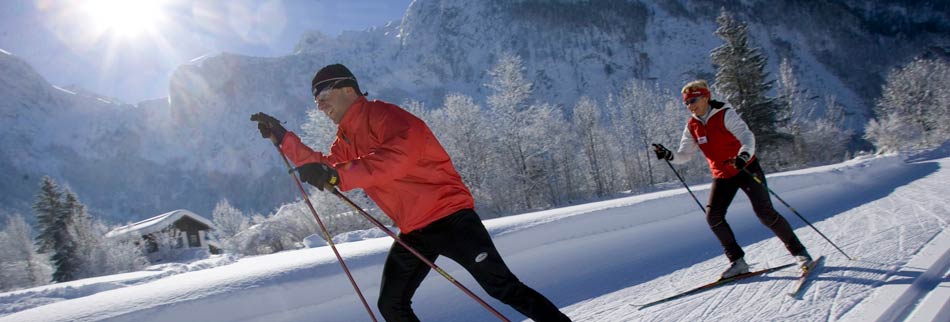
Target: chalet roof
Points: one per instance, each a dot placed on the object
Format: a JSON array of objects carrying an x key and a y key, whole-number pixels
[{"x": 157, "y": 223}]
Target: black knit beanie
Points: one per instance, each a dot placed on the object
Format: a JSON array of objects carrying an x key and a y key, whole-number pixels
[{"x": 337, "y": 76}]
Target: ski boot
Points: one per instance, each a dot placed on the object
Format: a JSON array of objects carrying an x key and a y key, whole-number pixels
[
  {"x": 803, "y": 259},
  {"x": 737, "y": 267}
]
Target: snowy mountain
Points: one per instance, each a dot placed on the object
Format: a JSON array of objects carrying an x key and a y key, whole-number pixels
[
  {"x": 126, "y": 162},
  {"x": 130, "y": 162},
  {"x": 891, "y": 214},
  {"x": 573, "y": 48}
]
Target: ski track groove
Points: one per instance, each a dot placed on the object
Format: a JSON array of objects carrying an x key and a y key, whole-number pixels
[
  {"x": 720, "y": 300},
  {"x": 776, "y": 288},
  {"x": 834, "y": 303},
  {"x": 902, "y": 239},
  {"x": 919, "y": 209},
  {"x": 932, "y": 214},
  {"x": 693, "y": 309}
]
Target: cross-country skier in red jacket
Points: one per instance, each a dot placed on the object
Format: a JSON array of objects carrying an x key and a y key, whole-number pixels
[
  {"x": 729, "y": 147},
  {"x": 394, "y": 157}
]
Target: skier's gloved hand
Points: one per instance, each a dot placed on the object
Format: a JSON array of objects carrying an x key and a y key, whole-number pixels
[
  {"x": 319, "y": 175},
  {"x": 269, "y": 126},
  {"x": 741, "y": 160},
  {"x": 662, "y": 153}
]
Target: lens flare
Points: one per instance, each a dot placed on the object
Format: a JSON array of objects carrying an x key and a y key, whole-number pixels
[{"x": 127, "y": 18}]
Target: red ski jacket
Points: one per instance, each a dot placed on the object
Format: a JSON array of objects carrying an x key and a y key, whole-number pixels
[{"x": 394, "y": 157}]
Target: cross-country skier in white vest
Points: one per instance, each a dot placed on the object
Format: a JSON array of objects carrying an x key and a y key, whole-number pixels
[{"x": 729, "y": 147}]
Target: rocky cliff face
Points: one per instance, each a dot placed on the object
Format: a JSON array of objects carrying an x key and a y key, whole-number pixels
[{"x": 573, "y": 48}]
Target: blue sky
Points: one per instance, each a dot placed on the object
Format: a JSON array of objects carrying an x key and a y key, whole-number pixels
[{"x": 127, "y": 50}]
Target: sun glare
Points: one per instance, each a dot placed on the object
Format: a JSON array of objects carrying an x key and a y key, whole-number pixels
[{"x": 124, "y": 17}]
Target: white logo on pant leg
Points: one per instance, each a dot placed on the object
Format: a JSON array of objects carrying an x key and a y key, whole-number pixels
[{"x": 481, "y": 256}]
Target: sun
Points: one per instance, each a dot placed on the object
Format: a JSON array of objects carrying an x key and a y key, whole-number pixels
[{"x": 127, "y": 18}]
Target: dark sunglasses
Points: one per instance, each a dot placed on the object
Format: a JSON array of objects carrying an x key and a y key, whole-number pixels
[{"x": 692, "y": 100}]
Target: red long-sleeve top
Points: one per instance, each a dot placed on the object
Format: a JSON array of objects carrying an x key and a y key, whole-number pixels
[{"x": 394, "y": 157}]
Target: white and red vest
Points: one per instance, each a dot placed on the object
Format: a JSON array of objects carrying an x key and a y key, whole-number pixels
[{"x": 717, "y": 143}]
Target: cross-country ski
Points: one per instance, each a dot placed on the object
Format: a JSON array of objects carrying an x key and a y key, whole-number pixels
[
  {"x": 717, "y": 283},
  {"x": 809, "y": 271}
]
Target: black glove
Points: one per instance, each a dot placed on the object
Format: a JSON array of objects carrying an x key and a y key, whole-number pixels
[
  {"x": 269, "y": 126},
  {"x": 662, "y": 153},
  {"x": 319, "y": 175},
  {"x": 741, "y": 160}
]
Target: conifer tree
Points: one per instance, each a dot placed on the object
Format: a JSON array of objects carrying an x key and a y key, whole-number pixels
[
  {"x": 47, "y": 206},
  {"x": 741, "y": 79},
  {"x": 85, "y": 240},
  {"x": 53, "y": 217}
]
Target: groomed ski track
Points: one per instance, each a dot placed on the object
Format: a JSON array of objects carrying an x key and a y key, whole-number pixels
[{"x": 894, "y": 222}]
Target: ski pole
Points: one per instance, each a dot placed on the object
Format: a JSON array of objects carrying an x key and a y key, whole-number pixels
[
  {"x": 325, "y": 232},
  {"x": 422, "y": 258},
  {"x": 756, "y": 178},
  {"x": 701, "y": 208}
]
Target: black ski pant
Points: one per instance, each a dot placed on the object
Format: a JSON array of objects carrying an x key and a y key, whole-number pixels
[
  {"x": 463, "y": 238},
  {"x": 721, "y": 195}
]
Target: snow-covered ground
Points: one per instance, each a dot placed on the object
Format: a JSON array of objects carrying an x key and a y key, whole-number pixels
[{"x": 595, "y": 260}]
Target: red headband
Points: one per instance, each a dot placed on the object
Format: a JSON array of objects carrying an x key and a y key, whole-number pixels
[{"x": 694, "y": 93}]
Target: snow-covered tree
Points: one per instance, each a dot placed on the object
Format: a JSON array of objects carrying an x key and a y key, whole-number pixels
[
  {"x": 792, "y": 98},
  {"x": 419, "y": 109},
  {"x": 913, "y": 109},
  {"x": 642, "y": 114},
  {"x": 510, "y": 111},
  {"x": 318, "y": 131},
  {"x": 544, "y": 143},
  {"x": 100, "y": 255},
  {"x": 20, "y": 265},
  {"x": 624, "y": 140},
  {"x": 825, "y": 139},
  {"x": 889, "y": 133},
  {"x": 464, "y": 131},
  {"x": 741, "y": 80},
  {"x": 228, "y": 220},
  {"x": 291, "y": 223},
  {"x": 282, "y": 231},
  {"x": 816, "y": 137},
  {"x": 591, "y": 137}
]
